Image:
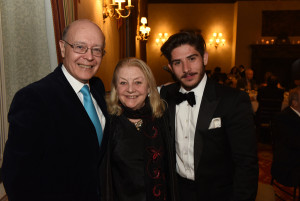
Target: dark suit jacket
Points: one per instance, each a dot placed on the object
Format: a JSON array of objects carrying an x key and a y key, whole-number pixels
[
  {"x": 269, "y": 103},
  {"x": 52, "y": 152},
  {"x": 225, "y": 158},
  {"x": 269, "y": 92},
  {"x": 286, "y": 146}
]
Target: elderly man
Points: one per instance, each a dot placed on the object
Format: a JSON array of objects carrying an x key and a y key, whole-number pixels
[
  {"x": 286, "y": 132},
  {"x": 247, "y": 82},
  {"x": 56, "y": 134}
]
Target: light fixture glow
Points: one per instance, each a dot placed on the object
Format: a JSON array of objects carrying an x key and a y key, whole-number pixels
[
  {"x": 217, "y": 40},
  {"x": 116, "y": 10},
  {"x": 162, "y": 38},
  {"x": 144, "y": 31}
]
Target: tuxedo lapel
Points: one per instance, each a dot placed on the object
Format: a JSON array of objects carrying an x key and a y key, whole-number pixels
[{"x": 207, "y": 108}]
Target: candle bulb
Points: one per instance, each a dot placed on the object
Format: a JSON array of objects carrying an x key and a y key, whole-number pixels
[
  {"x": 129, "y": 2},
  {"x": 120, "y": 5}
]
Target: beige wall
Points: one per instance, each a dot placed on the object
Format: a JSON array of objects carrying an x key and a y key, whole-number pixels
[
  {"x": 209, "y": 18},
  {"x": 240, "y": 24},
  {"x": 92, "y": 9},
  {"x": 249, "y": 25}
]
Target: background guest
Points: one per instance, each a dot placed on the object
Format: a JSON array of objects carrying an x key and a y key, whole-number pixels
[
  {"x": 296, "y": 73},
  {"x": 247, "y": 83},
  {"x": 266, "y": 77},
  {"x": 140, "y": 158},
  {"x": 241, "y": 70},
  {"x": 286, "y": 137},
  {"x": 218, "y": 76},
  {"x": 234, "y": 73},
  {"x": 270, "y": 100},
  {"x": 271, "y": 91}
]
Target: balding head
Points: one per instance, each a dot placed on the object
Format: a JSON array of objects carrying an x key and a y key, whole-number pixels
[
  {"x": 79, "y": 23},
  {"x": 294, "y": 98},
  {"x": 249, "y": 73},
  {"x": 82, "y": 49}
]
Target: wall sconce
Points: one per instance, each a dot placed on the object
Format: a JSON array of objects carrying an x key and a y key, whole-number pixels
[
  {"x": 144, "y": 32},
  {"x": 162, "y": 37},
  {"x": 115, "y": 9},
  {"x": 217, "y": 40}
]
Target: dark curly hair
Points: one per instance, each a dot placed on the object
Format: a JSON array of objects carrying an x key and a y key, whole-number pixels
[{"x": 191, "y": 38}]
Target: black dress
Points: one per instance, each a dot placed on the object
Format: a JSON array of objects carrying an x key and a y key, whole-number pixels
[
  {"x": 127, "y": 161},
  {"x": 139, "y": 165}
]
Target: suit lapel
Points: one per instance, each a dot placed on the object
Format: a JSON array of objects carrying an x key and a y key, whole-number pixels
[
  {"x": 72, "y": 101},
  {"x": 207, "y": 108}
]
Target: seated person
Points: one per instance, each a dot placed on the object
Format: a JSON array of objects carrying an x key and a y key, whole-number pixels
[
  {"x": 234, "y": 72},
  {"x": 271, "y": 91},
  {"x": 269, "y": 100},
  {"x": 286, "y": 131},
  {"x": 266, "y": 77},
  {"x": 241, "y": 70},
  {"x": 218, "y": 76},
  {"x": 247, "y": 83},
  {"x": 231, "y": 82}
]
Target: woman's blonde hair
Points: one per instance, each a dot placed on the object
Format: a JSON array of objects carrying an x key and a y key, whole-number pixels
[{"x": 156, "y": 103}]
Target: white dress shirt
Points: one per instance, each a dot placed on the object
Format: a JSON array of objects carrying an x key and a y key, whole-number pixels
[
  {"x": 295, "y": 111},
  {"x": 185, "y": 126},
  {"x": 76, "y": 85}
]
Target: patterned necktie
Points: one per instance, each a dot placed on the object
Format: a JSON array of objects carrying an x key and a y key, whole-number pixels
[
  {"x": 90, "y": 109},
  {"x": 189, "y": 97}
]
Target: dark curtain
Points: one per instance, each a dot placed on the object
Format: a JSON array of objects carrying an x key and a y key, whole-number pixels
[{"x": 60, "y": 8}]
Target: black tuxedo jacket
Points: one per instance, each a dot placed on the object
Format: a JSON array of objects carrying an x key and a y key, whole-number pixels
[
  {"x": 52, "y": 151},
  {"x": 286, "y": 147},
  {"x": 225, "y": 158}
]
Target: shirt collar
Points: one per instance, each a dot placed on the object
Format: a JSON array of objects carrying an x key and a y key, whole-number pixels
[{"x": 76, "y": 85}]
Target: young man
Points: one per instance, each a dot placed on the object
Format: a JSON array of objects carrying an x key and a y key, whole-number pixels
[
  {"x": 54, "y": 147},
  {"x": 212, "y": 126}
]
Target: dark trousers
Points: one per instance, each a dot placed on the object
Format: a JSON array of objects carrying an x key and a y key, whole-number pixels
[{"x": 187, "y": 189}]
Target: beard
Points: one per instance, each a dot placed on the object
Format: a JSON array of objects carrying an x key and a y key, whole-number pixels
[{"x": 189, "y": 86}]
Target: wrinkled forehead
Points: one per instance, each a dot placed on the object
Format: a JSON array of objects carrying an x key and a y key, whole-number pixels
[{"x": 85, "y": 32}]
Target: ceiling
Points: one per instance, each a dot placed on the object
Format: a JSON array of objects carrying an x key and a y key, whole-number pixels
[{"x": 199, "y": 1}]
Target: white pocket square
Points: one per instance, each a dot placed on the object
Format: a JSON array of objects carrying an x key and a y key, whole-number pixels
[{"x": 215, "y": 123}]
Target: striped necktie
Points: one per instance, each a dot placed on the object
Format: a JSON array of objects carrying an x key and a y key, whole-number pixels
[{"x": 90, "y": 109}]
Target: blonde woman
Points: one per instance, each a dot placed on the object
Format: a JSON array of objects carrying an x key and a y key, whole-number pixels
[{"x": 140, "y": 158}]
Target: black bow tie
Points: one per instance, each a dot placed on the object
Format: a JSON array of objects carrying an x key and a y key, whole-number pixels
[{"x": 190, "y": 97}]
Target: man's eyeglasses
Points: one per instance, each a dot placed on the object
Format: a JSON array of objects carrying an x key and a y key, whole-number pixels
[{"x": 82, "y": 49}]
